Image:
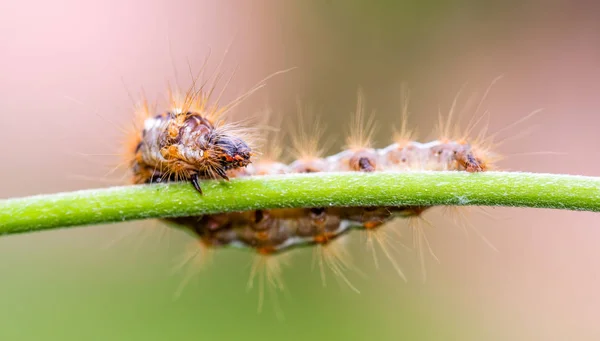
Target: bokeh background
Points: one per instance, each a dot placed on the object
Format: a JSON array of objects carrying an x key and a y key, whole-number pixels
[{"x": 68, "y": 68}]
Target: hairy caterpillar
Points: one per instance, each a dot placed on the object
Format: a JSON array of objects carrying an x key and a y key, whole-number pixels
[
  {"x": 272, "y": 231},
  {"x": 192, "y": 140},
  {"x": 185, "y": 144}
]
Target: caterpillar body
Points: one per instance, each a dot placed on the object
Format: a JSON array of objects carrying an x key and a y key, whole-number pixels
[{"x": 191, "y": 143}]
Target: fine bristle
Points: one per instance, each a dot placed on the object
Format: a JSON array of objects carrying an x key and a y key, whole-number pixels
[
  {"x": 458, "y": 215},
  {"x": 420, "y": 241},
  {"x": 307, "y": 139},
  {"x": 337, "y": 259},
  {"x": 270, "y": 144},
  {"x": 267, "y": 271},
  {"x": 381, "y": 239},
  {"x": 362, "y": 125},
  {"x": 195, "y": 258},
  {"x": 447, "y": 128},
  {"x": 404, "y": 135}
]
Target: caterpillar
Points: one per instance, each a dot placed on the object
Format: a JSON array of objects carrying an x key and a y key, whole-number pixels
[
  {"x": 193, "y": 141},
  {"x": 186, "y": 145}
]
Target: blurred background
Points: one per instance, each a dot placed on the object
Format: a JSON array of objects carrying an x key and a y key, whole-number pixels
[{"x": 68, "y": 69}]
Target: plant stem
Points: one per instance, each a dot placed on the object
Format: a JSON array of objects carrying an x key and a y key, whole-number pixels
[{"x": 117, "y": 204}]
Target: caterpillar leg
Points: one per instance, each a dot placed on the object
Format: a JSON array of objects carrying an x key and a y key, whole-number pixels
[{"x": 195, "y": 183}]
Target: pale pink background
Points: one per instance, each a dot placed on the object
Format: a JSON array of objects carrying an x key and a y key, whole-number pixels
[{"x": 543, "y": 282}]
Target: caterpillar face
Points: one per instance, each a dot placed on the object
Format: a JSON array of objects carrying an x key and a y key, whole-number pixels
[
  {"x": 231, "y": 152},
  {"x": 208, "y": 149}
]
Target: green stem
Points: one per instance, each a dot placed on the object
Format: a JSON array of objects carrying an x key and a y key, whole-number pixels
[{"x": 116, "y": 204}]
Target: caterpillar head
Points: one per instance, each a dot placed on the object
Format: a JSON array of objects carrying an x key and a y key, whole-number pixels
[
  {"x": 231, "y": 152},
  {"x": 219, "y": 153}
]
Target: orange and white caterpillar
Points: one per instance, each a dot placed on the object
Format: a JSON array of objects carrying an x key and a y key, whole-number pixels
[
  {"x": 193, "y": 140},
  {"x": 186, "y": 144}
]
